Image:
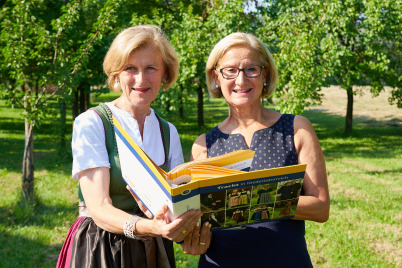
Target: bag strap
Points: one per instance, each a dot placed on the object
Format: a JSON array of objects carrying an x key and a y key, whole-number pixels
[{"x": 165, "y": 131}]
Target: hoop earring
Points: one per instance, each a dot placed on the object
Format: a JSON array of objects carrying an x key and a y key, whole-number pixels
[{"x": 116, "y": 85}]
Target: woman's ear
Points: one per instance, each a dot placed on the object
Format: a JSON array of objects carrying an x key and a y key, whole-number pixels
[
  {"x": 266, "y": 75},
  {"x": 215, "y": 76}
]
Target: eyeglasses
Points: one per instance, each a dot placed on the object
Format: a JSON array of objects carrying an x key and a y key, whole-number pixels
[{"x": 233, "y": 72}]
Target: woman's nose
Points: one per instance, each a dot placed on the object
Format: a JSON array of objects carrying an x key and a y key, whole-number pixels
[
  {"x": 139, "y": 76},
  {"x": 240, "y": 79}
]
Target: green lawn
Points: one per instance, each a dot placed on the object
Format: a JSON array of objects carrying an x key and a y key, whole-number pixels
[{"x": 364, "y": 172}]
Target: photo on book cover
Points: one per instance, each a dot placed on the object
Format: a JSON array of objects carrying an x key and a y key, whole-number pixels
[
  {"x": 285, "y": 209},
  {"x": 212, "y": 201},
  {"x": 289, "y": 189},
  {"x": 238, "y": 197},
  {"x": 237, "y": 216},
  {"x": 261, "y": 212},
  {"x": 265, "y": 193},
  {"x": 215, "y": 218}
]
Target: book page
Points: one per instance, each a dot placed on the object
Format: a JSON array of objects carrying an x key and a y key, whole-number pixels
[{"x": 236, "y": 160}]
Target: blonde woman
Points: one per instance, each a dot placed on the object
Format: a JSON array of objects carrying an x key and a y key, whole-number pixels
[
  {"x": 242, "y": 70},
  {"x": 113, "y": 232}
]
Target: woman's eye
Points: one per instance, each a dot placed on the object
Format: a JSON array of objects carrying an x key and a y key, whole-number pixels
[
  {"x": 130, "y": 68},
  {"x": 150, "y": 68},
  {"x": 231, "y": 70}
]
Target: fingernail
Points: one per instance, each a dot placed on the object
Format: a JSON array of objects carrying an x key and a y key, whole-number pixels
[
  {"x": 198, "y": 224},
  {"x": 207, "y": 224}
]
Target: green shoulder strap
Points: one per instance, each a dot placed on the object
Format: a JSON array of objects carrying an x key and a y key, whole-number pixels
[
  {"x": 104, "y": 113},
  {"x": 164, "y": 126}
]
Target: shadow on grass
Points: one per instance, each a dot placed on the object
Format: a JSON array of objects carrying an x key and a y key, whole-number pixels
[
  {"x": 24, "y": 252},
  {"x": 45, "y": 154},
  {"x": 38, "y": 213}
]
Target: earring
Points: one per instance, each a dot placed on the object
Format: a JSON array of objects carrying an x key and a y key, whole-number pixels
[
  {"x": 265, "y": 83},
  {"x": 116, "y": 84},
  {"x": 217, "y": 86}
]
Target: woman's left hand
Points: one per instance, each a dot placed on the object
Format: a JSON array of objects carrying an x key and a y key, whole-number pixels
[{"x": 198, "y": 242}]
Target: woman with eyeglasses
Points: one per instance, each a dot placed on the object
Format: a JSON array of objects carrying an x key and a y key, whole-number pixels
[{"x": 242, "y": 70}]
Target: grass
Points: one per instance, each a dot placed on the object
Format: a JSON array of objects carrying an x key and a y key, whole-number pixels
[{"x": 364, "y": 173}]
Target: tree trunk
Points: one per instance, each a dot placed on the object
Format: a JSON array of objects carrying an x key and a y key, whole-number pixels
[
  {"x": 62, "y": 129},
  {"x": 200, "y": 105},
  {"x": 87, "y": 100},
  {"x": 75, "y": 104},
  {"x": 349, "y": 112},
  {"x": 81, "y": 88},
  {"x": 27, "y": 163}
]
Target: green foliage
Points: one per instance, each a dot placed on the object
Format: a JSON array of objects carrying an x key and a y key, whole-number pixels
[
  {"x": 295, "y": 30},
  {"x": 42, "y": 51}
]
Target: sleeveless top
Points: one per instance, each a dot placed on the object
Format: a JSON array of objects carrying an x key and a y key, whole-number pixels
[{"x": 269, "y": 244}]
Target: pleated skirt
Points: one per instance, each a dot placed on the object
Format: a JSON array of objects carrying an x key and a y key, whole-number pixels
[{"x": 87, "y": 245}]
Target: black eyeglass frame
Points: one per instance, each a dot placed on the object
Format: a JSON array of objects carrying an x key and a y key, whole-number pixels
[{"x": 240, "y": 70}]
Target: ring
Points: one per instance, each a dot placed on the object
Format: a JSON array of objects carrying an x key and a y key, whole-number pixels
[
  {"x": 202, "y": 243},
  {"x": 180, "y": 242},
  {"x": 184, "y": 232}
]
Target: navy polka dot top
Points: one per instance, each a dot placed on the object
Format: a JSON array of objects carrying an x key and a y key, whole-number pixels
[
  {"x": 268, "y": 244},
  {"x": 273, "y": 146}
]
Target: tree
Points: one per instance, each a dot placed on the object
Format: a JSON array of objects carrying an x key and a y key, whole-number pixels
[
  {"x": 39, "y": 58},
  {"x": 293, "y": 30},
  {"x": 351, "y": 43},
  {"x": 360, "y": 46}
]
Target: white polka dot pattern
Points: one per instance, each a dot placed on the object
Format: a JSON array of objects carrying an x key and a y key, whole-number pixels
[{"x": 273, "y": 146}]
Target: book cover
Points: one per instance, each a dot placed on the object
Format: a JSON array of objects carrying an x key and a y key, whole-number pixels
[{"x": 227, "y": 195}]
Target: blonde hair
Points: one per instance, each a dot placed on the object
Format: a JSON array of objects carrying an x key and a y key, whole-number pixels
[
  {"x": 241, "y": 40},
  {"x": 134, "y": 38}
]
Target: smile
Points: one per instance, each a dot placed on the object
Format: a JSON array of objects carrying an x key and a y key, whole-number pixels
[
  {"x": 241, "y": 90},
  {"x": 140, "y": 89}
]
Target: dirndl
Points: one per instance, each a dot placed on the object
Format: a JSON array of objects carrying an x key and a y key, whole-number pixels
[{"x": 87, "y": 245}]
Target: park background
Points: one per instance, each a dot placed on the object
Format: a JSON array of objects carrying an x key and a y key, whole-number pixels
[{"x": 339, "y": 63}]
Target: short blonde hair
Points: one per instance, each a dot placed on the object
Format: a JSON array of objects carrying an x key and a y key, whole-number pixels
[
  {"x": 241, "y": 40},
  {"x": 134, "y": 38}
]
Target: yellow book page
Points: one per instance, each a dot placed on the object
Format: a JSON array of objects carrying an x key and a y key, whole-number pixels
[
  {"x": 200, "y": 172},
  {"x": 219, "y": 161},
  {"x": 204, "y": 169}
]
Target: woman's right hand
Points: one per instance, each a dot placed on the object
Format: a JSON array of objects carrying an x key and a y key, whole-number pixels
[{"x": 176, "y": 230}]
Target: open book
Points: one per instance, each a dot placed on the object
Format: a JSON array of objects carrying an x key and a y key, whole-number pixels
[{"x": 219, "y": 186}]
